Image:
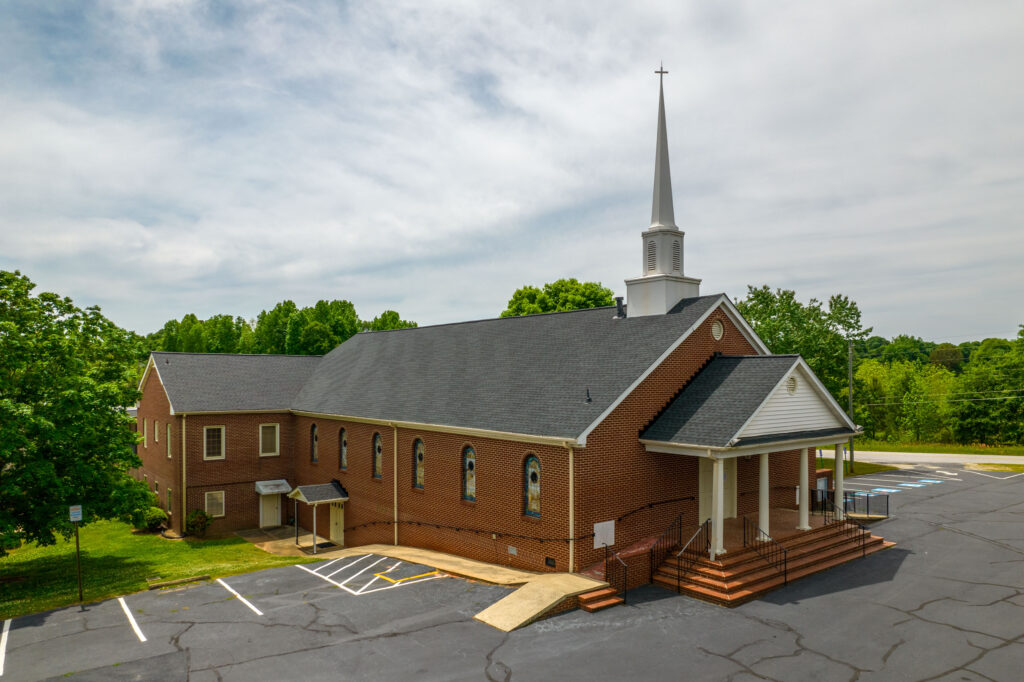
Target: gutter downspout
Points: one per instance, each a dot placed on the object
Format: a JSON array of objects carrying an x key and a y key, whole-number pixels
[
  {"x": 184, "y": 498},
  {"x": 394, "y": 471},
  {"x": 572, "y": 509}
]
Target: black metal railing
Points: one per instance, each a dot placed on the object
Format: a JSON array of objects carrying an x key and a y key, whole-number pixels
[
  {"x": 695, "y": 548},
  {"x": 850, "y": 528},
  {"x": 868, "y": 504},
  {"x": 616, "y": 572},
  {"x": 766, "y": 548},
  {"x": 666, "y": 542}
]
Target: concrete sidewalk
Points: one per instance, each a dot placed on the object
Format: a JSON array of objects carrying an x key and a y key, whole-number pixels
[
  {"x": 910, "y": 458},
  {"x": 537, "y": 594}
]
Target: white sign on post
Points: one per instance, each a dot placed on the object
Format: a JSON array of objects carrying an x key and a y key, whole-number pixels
[
  {"x": 75, "y": 511},
  {"x": 604, "y": 534}
]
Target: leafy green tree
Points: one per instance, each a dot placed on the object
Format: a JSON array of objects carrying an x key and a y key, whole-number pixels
[
  {"x": 908, "y": 349},
  {"x": 563, "y": 294},
  {"x": 817, "y": 332},
  {"x": 271, "y": 330},
  {"x": 947, "y": 355},
  {"x": 66, "y": 375},
  {"x": 990, "y": 405},
  {"x": 389, "y": 319}
]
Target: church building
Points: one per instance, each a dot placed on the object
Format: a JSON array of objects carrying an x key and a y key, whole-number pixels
[{"x": 528, "y": 441}]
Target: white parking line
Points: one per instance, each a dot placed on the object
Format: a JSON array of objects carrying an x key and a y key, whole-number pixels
[
  {"x": 240, "y": 597},
  {"x": 998, "y": 478},
  {"x": 131, "y": 619},
  {"x": 332, "y": 561},
  {"x": 333, "y": 573},
  {"x": 3, "y": 644},
  {"x": 377, "y": 577}
]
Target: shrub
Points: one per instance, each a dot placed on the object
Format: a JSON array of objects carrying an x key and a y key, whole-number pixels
[
  {"x": 154, "y": 517},
  {"x": 197, "y": 522}
]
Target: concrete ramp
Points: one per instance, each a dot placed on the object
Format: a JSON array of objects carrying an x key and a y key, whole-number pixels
[{"x": 534, "y": 599}]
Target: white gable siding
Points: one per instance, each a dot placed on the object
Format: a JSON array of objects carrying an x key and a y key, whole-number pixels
[{"x": 804, "y": 410}]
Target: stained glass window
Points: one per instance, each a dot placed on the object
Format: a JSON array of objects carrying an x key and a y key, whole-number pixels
[
  {"x": 531, "y": 485},
  {"x": 378, "y": 455},
  {"x": 342, "y": 449},
  {"x": 417, "y": 463},
  {"x": 469, "y": 474},
  {"x": 313, "y": 438}
]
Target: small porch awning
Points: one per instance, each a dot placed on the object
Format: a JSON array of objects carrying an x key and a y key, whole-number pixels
[
  {"x": 739, "y": 405},
  {"x": 320, "y": 493},
  {"x": 272, "y": 487}
]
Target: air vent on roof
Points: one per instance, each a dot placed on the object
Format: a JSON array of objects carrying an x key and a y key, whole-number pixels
[
  {"x": 717, "y": 330},
  {"x": 652, "y": 256},
  {"x": 791, "y": 385}
]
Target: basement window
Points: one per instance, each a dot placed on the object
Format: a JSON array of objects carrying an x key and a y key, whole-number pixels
[{"x": 215, "y": 503}]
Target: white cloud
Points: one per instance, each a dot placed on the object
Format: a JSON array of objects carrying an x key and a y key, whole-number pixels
[{"x": 164, "y": 158}]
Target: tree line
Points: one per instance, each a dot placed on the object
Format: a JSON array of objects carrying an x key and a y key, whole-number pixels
[{"x": 284, "y": 329}]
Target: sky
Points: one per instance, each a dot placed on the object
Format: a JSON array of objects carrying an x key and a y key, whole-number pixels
[{"x": 168, "y": 157}]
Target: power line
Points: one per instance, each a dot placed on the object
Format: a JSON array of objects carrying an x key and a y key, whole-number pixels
[{"x": 959, "y": 400}]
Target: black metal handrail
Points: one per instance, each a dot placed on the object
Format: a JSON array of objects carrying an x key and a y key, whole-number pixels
[
  {"x": 616, "y": 574},
  {"x": 666, "y": 542},
  {"x": 850, "y": 527},
  {"x": 869, "y": 504},
  {"x": 766, "y": 548},
  {"x": 695, "y": 548}
]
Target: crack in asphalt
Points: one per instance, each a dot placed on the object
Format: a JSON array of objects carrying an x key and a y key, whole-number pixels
[{"x": 507, "y": 671}]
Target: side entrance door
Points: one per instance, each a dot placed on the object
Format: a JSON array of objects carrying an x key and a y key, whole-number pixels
[
  {"x": 338, "y": 523},
  {"x": 270, "y": 510}
]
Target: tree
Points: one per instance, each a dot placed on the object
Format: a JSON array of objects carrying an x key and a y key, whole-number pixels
[
  {"x": 946, "y": 355},
  {"x": 820, "y": 334},
  {"x": 563, "y": 294},
  {"x": 389, "y": 319},
  {"x": 66, "y": 375}
]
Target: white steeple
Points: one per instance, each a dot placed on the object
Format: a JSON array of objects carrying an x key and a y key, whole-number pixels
[
  {"x": 662, "y": 215},
  {"x": 662, "y": 283}
]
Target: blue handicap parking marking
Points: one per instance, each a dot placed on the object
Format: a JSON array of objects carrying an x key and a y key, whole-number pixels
[
  {"x": 928, "y": 480},
  {"x": 884, "y": 490}
]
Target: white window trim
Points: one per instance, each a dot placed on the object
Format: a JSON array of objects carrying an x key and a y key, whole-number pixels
[
  {"x": 170, "y": 497},
  {"x": 277, "y": 440},
  {"x": 156, "y": 431},
  {"x": 169, "y": 455},
  {"x": 223, "y": 434},
  {"x": 223, "y": 503},
  {"x": 145, "y": 433}
]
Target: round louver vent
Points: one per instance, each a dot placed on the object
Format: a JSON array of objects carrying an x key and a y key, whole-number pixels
[{"x": 717, "y": 330}]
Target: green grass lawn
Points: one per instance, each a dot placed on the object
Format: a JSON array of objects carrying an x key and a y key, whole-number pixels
[
  {"x": 947, "y": 448},
  {"x": 116, "y": 561},
  {"x": 860, "y": 468},
  {"x": 1019, "y": 468}
]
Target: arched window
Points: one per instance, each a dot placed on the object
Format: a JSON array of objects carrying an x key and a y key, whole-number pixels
[
  {"x": 342, "y": 449},
  {"x": 378, "y": 456},
  {"x": 417, "y": 464},
  {"x": 313, "y": 438},
  {"x": 531, "y": 486},
  {"x": 469, "y": 474}
]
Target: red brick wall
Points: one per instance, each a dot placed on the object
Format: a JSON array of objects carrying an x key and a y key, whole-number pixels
[
  {"x": 157, "y": 469},
  {"x": 615, "y": 474},
  {"x": 498, "y": 509},
  {"x": 241, "y": 467}
]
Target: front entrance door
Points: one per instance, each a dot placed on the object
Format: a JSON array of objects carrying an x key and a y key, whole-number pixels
[
  {"x": 270, "y": 510},
  {"x": 706, "y": 483},
  {"x": 338, "y": 523}
]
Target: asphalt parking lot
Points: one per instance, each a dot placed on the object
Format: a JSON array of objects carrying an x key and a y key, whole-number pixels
[{"x": 947, "y": 603}]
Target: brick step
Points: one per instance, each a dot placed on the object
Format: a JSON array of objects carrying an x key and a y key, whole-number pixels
[
  {"x": 592, "y": 606},
  {"x": 597, "y": 595},
  {"x": 727, "y": 581},
  {"x": 791, "y": 543},
  {"x": 753, "y": 562},
  {"x": 738, "y": 595}
]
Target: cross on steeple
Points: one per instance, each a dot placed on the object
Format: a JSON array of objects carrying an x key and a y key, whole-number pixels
[{"x": 661, "y": 73}]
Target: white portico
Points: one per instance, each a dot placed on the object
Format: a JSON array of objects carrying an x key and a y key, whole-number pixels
[{"x": 742, "y": 407}]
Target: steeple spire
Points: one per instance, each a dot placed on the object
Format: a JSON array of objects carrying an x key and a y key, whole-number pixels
[{"x": 662, "y": 215}]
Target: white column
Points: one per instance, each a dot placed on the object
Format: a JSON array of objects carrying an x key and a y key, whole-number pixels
[
  {"x": 717, "y": 508},
  {"x": 763, "y": 508},
  {"x": 839, "y": 466},
  {"x": 805, "y": 494}
]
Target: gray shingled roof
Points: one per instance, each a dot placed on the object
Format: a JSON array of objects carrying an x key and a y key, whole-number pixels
[
  {"x": 211, "y": 382},
  {"x": 320, "y": 492},
  {"x": 719, "y": 401},
  {"x": 519, "y": 374}
]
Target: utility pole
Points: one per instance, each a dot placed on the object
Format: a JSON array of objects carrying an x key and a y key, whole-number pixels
[{"x": 849, "y": 404}]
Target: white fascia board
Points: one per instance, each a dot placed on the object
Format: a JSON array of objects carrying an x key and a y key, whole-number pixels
[
  {"x": 748, "y": 332},
  {"x": 825, "y": 395},
  {"x": 163, "y": 387},
  {"x": 692, "y": 450},
  {"x": 581, "y": 440}
]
